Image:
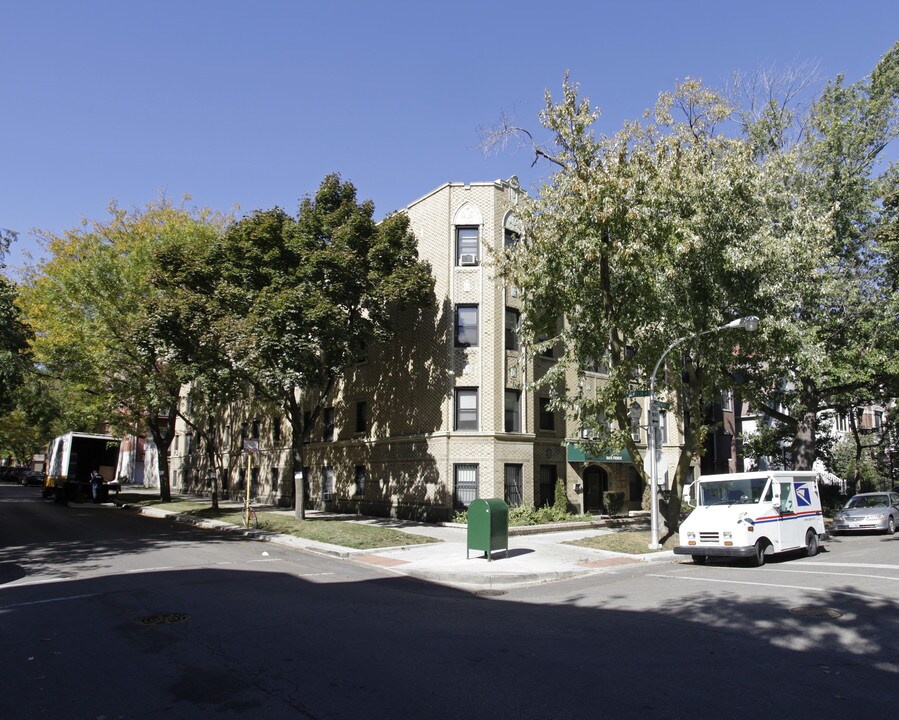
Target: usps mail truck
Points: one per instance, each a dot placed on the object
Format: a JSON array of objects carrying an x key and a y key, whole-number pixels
[{"x": 753, "y": 515}]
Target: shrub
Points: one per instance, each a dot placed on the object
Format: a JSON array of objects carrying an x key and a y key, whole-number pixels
[
  {"x": 560, "y": 503},
  {"x": 614, "y": 501},
  {"x": 523, "y": 515},
  {"x": 831, "y": 499}
]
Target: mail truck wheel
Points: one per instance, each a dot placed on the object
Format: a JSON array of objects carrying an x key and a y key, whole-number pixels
[
  {"x": 811, "y": 543},
  {"x": 759, "y": 559}
]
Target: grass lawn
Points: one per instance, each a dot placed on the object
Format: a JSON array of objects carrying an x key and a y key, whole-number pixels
[
  {"x": 635, "y": 542},
  {"x": 356, "y": 536}
]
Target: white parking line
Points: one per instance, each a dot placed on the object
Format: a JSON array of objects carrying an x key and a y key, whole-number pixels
[
  {"x": 837, "y": 574},
  {"x": 870, "y": 566},
  {"x": 773, "y": 585}
]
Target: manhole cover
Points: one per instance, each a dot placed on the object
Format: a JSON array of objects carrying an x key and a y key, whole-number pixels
[
  {"x": 810, "y": 611},
  {"x": 168, "y": 619},
  {"x": 489, "y": 593}
]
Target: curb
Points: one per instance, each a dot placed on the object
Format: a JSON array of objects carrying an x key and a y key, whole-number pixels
[{"x": 470, "y": 581}]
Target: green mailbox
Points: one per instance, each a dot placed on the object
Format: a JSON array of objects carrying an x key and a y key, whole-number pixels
[{"x": 488, "y": 526}]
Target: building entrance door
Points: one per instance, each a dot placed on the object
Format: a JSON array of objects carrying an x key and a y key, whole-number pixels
[{"x": 596, "y": 481}]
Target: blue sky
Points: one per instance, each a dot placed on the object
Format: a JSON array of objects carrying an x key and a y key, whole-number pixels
[{"x": 252, "y": 103}]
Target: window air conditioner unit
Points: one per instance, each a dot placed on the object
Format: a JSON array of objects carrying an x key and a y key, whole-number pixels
[{"x": 468, "y": 259}]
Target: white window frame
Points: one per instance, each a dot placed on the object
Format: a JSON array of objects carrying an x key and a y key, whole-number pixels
[
  {"x": 466, "y": 244},
  {"x": 462, "y": 404}
]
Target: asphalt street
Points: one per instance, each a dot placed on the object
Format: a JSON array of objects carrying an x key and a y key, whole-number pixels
[{"x": 109, "y": 614}]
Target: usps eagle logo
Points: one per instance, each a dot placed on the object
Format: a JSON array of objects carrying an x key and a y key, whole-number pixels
[{"x": 803, "y": 495}]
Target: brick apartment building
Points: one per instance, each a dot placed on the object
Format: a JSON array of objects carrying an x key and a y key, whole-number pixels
[{"x": 445, "y": 412}]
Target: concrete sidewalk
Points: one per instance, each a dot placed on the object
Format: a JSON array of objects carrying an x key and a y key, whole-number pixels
[{"x": 535, "y": 557}]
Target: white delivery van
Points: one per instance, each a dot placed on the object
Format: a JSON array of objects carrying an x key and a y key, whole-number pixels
[{"x": 753, "y": 514}]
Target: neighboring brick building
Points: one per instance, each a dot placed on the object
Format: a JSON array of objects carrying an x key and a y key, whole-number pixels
[{"x": 443, "y": 413}]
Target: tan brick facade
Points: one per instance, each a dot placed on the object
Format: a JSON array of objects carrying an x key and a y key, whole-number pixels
[{"x": 410, "y": 450}]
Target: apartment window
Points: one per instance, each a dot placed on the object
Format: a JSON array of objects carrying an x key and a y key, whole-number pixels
[
  {"x": 510, "y": 238},
  {"x": 256, "y": 428},
  {"x": 663, "y": 427},
  {"x": 254, "y": 482},
  {"x": 275, "y": 474},
  {"x": 467, "y": 325},
  {"x": 513, "y": 485},
  {"x": 361, "y": 416},
  {"x": 467, "y": 246},
  {"x": 512, "y": 318},
  {"x": 276, "y": 429},
  {"x": 328, "y": 425},
  {"x": 513, "y": 411},
  {"x": 727, "y": 400},
  {"x": 547, "y": 416},
  {"x": 466, "y": 409},
  {"x": 636, "y": 415},
  {"x": 360, "y": 481},
  {"x": 327, "y": 482},
  {"x": 547, "y": 351},
  {"x": 465, "y": 484}
]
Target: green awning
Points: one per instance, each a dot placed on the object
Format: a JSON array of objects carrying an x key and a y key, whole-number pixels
[{"x": 576, "y": 454}]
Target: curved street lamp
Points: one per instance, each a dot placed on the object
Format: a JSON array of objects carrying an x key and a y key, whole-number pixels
[{"x": 749, "y": 323}]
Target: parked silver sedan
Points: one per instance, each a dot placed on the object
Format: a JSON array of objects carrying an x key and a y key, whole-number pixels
[{"x": 868, "y": 511}]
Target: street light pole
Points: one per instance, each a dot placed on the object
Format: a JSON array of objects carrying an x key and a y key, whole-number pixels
[{"x": 749, "y": 323}]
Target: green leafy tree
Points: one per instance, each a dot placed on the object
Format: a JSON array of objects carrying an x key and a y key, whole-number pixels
[
  {"x": 14, "y": 333},
  {"x": 291, "y": 302},
  {"x": 663, "y": 231},
  {"x": 842, "y": 348},
  {"x": 91, "y": 305}
]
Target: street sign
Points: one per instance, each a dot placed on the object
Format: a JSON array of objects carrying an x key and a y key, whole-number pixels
[
  {"x": 663, "y": 405},
  {"x": 637, "y": 393},
  {"x": 251, "y": 445}
]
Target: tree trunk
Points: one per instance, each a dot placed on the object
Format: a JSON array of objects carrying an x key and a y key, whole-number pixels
[
  {"x": 807, "y": 424},
  {"x": 163, "y": 439},
  {"x": 210, "y": 453},
  {"x": 295, "y": 416}
]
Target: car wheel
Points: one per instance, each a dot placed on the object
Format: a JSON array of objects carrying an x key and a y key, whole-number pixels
[
  {"x": 700, "y": 559},
  {"x": 891, "y": 526},
  {"x": 811, "y": 543},
  {"x": 759, "y": 559}
]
